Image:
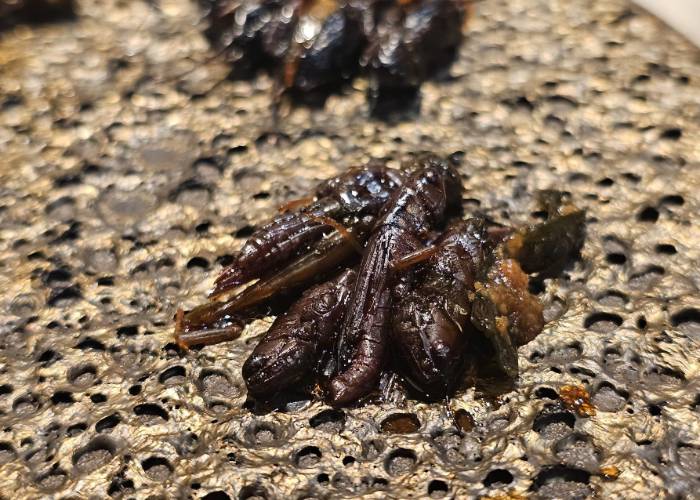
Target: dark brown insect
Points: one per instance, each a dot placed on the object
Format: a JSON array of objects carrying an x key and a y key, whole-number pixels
[
  {"x": 431, "y": 326},
  {"x": 420, "y": 296},
  {"x": 408, "y": 219},
  {"x": 313, "y": 47},
  {"x": 300, "y": 340}
]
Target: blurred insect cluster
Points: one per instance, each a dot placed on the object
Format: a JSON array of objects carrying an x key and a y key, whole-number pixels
[{"x": 312, "y": 48}]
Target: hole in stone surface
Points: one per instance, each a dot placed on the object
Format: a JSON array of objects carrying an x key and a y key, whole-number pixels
[
  {"x": 52, "y": 479},
  {"x": 536, "y": 357},
  {"x": 519, "y": 102},
  {"x": 200, "y": 262},
  {"x": 23, "y": 305},
  {"x": 400, "y": 461},
  {"x": 245, "y": 232},
  {"x": 37, "y": 456},
  {"x": 150, "y": 413},
  {"x": 127, "y": 331},
  {"x": 157, "y": 468},
  {"x": 562, "y": 482},
  {"x": 95, "y": 454},
  {"x": 648, "y": 214},
  {"x": 552, "y": 423},
  {"x": 76, "y": 429},
  {"x": 546, "y": 393},
  {"x": 6, "y": 389},
  {"x": 328, "y": 421},
  {"x": 609, "y": 399},
  {"x": 61, "y": 297},
  {"x": 7, "y": 453},
  {"x": 666, "y": 249},
  {"x": 107, "y": 423},
  {"x": 689, "y": 456},
  {"x": 307, "y": 457},
  {"x": 207, "y": 164},
  {"x": 26, "y": 405},
  {"x": 641, "y": 322},
  {"x": 654, "y": 410},
  {"x": 253, "y": 491},
  {"x": 687, "y": 320},
  {"x": 216, "y": 383},
  {"x": 120, "y": 486},
  {"x": 646, "y": 276},
  {"x": 105, "y": 281},
  {"x": 135, "y": 389},
  {"x": 400, "y": 423},
  {"x": 236, "y": 150},
  {"x": 82, "y": 375},
  {"x": 566, "y": 353},
  {"x": 59, "y": 276},
  {"x": 454, "y": 449},
  {"x": 62, "y": 398},
  {"x": 88, "y": 343},
  {"x": 175, "y": 375},
  {"x": 348, "y": 460},
  {"x": 216, "y": 495},
  {"x": 98, "y": 398},
  {"x": 262, "y": 195},
  {"x": 36, "y": 256},
  {"x": 264, "y": 433},
  {"x": 602, "y": 322},
  {"x": 613, "y": 298},
  {"x": 191, "y": 192},
  {"x": 536, "y": 287},
  {"x": 48, "y": 357},
  {"x": 203, "y": 227},
  {"x": 579, "y": 370},
  {"x": 218, "y": 406},
  {"x": 616, "y": 258},
  {"x": 379, "y": 483},
  {"x": 498, "y": 477},
  {"x": 665, "y": 374},
  {"x": 672, "y": 199},
  {"x": 671, "y": 134},
  {"x": 577, "y": 451},
  {"x": 437, "y": 488},
  {"x": 341, "y": 481}
]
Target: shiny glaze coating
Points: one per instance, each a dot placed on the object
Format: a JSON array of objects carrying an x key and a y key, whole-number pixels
[
  {"x": 431, "y": 326},
  {"x": 419, "y": 207},
  {"x": 299, "y": 339},
  {"x": 346, "y": 199}
]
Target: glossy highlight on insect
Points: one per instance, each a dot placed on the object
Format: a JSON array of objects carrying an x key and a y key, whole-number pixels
[
  {"x": 312, "y": 48},
  {"x": 385, "y": 274}
]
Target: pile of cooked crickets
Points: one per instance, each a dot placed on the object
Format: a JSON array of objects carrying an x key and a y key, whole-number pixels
[{"x": 385, "y": 274}]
